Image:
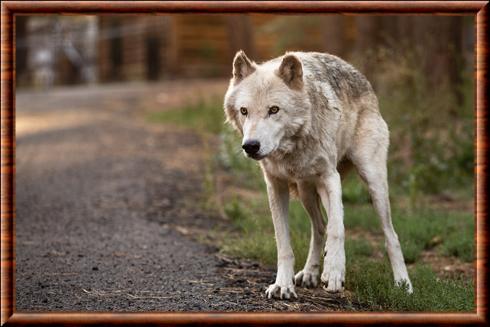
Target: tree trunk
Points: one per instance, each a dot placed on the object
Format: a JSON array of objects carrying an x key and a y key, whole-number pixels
[
  {"x": 240, "y": 33},
  {"x": 333, "y": 34}
]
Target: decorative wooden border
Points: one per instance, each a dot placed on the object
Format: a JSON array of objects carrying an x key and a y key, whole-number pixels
[{"x": 10, "y": 8}]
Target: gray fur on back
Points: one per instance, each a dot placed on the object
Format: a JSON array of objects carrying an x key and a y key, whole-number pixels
[{"x": 345, "y": 80}]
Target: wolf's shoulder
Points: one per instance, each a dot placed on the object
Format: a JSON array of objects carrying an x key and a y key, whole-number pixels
[{"x": 344, "y": 78}]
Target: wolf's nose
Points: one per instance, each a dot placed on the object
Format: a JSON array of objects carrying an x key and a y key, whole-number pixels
[{"x": 251, "y": 147}]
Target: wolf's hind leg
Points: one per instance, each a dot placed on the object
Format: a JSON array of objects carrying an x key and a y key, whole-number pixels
[
  {"x": 309, "y": 276},
  {"x": 370, "y": 161}
]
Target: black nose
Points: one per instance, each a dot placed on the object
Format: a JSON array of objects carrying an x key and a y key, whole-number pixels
[{"x": 251, "y": 147}]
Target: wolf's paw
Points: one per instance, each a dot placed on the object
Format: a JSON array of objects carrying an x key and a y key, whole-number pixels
[
  {"x": 307, "y": 278},
  {"x": 405, "y": 283},
  {"x": 333, "y": 279},
  {"x": 277, "y": 291}
]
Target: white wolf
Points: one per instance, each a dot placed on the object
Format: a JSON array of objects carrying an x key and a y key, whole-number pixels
[{"x": 307, "y": 116}]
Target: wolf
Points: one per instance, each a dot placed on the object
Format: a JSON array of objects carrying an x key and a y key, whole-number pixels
[{"x": 308, "y": 117}]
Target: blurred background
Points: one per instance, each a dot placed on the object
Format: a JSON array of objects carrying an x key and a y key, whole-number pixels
[
  {"x": 79, "y": 74},
  {"x": 420, "y": 66},
  {"x": 60, "y": 50}
]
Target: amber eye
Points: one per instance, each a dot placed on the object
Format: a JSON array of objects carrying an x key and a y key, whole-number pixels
[
  {"x": 243, "y": 111},
  {"x": 273, "y": 110}
]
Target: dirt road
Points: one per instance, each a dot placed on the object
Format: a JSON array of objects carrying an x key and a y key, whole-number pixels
[{"x": 104, "y": 202}]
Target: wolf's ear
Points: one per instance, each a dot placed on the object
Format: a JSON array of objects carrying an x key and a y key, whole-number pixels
[
  {"x": 291, "y": 71},
  {"x": 242, "y": 66}
]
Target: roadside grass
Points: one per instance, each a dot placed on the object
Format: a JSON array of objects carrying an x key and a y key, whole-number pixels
[
  {"x": 202, "y": 116},
  {"x": 372, "y": 284},
  {"x": 450, "y": 233},
  {"x": 420, "y": 228},
  {"x": 369, "y": 277}
]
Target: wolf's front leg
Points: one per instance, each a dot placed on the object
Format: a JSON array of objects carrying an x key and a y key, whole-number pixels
[
  {"x": 330, "y": 191},
  {"x": 278, "y": 192}
]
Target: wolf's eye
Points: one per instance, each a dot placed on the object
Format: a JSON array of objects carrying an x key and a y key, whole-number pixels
[
  {"x": 273, "y": 110},
  {"x": 243, "y": 111}
]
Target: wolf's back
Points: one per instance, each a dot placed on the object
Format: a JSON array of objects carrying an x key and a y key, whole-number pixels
[{"x": 345, "y": 80}]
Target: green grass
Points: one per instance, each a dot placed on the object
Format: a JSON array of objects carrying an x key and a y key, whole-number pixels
[
  {"x": 372, "y": 283},
  {"x": 201, "y": 116},
  {"x": 369, "y": 278},
  {"x": 451, "y": 233},
  {"x": 358, "y": 248}
]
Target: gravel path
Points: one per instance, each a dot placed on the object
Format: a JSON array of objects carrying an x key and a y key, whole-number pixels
[{"x": 105, "y": 203}]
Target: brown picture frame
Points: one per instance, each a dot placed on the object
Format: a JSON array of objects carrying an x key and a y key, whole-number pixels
[{"x": 9, "y": 9}]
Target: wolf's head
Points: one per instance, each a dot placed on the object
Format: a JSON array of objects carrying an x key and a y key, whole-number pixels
[{"x": 267, "y": 103}]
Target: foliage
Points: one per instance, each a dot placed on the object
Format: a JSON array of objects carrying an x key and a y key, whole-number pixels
[{"x": 431, "y": 133}]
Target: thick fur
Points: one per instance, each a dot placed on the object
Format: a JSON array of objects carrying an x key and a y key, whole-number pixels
[{"x": 328, "y": 120}]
